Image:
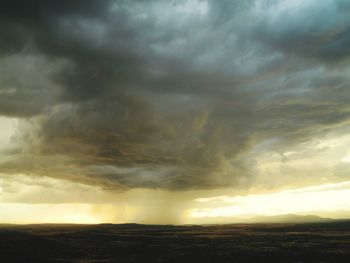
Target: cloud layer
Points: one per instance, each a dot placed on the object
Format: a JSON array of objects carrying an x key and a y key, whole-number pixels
[{"x": 169, "y": 94}]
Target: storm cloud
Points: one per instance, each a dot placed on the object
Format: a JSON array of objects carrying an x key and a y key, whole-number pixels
[{"x": 169, "y": 94}]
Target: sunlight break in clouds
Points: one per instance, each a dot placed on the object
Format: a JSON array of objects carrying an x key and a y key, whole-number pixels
[{"x": 309, "y": 200}]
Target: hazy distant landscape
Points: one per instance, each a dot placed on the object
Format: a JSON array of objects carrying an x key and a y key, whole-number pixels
[{"x": 307, "y": 242}]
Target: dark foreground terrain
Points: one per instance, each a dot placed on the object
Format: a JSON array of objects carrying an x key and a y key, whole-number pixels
[{"x": 317, "y": 242}]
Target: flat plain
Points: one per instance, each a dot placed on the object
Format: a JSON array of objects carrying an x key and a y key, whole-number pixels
[{"x": 311, "y": 242}]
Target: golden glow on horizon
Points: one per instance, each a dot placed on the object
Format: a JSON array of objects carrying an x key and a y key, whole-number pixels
[
  {"x": 47, "y": 213},
  {"x": 315, "y": 200},
  {"x": 327, "y": 197}
]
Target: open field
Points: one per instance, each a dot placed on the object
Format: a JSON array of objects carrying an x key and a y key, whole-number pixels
[{"x": 313, "y": 242}]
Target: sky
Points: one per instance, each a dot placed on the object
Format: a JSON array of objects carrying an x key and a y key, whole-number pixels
[{"x": 173, "y": 112}]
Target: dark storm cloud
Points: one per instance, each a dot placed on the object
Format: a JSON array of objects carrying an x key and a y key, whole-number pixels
[
  {"x": 313, "y": 30},
  {"x": 168, "y": 94},
  {"x": 23, "y": 20}
]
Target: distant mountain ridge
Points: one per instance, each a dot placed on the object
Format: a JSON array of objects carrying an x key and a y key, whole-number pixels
[{"x": 288, "y": 218}]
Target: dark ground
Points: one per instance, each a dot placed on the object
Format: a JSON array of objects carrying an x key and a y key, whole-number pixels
[{"x": 317, "y": 242}]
